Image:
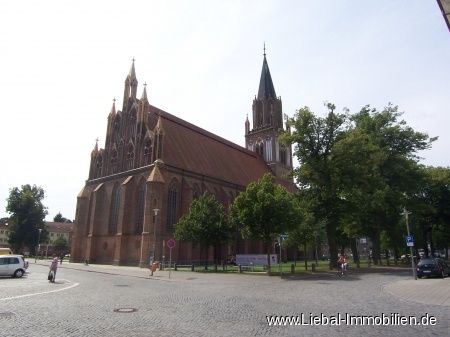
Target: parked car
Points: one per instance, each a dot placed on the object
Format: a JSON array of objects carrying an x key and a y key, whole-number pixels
[
  {"x": 5, "y": 251},
  {"x": 13, "y": 265},
  {"x": 432, "y": 267}
]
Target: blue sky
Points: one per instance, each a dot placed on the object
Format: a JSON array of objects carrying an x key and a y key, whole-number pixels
[{"x": 62, "y": 63}]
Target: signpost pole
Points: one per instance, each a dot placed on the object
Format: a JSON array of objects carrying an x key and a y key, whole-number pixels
[
  {"x": 170, "y": 260},
  {"x": 406, "y": 213},
  {"x": 171, "y": 245}
]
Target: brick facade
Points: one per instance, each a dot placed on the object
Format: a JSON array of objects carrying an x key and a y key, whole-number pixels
[{"x": 154, "y": 160}]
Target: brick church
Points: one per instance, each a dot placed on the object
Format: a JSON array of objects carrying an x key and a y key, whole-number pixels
[{"x": 154, "y": 164}]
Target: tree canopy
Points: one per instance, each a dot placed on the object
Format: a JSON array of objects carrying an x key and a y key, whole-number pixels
[
  {"x": 59, "y": 218},
  {"x": 265, "y": 210},
  {"x": 357, "y": 169},
  {"x": 205, "y": 224},
  {"x": 27, "y": 217}
]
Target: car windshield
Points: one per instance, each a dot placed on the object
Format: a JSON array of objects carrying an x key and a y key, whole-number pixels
[{"x": 426, "y": 262}]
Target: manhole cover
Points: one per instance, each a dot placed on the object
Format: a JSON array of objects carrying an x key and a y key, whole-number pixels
[
  {"x": 125, "y": 310},
  {"x": 7, "y": 314}
]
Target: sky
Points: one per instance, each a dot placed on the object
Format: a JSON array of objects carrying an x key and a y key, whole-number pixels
[{"x": 63, "y": 62}]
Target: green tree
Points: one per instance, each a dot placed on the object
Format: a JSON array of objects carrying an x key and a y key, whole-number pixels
[
  {"x": 265, "y": 210},
  {"x": 205, "y": 224},
  {"x": 377, "y": 167},
  {"x": 60, "y": 245},
  {"x": 431, "y": 213},
  {"x": 314, "y": 139},
  {"x": 27, "y": 217},
  {"x": 59, "y": 218}
]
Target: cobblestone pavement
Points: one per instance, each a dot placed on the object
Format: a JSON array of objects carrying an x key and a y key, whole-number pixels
[{"x": 83, "y": 303}]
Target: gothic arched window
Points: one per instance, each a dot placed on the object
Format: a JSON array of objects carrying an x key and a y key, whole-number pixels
[
  {"x": 260, "y": 149},
  {"x": 283, "y": 155},
  {"x": 99, "y": 164},
  {"x": 147, "y": 151},
  {"x": 140, "y": 209},
  {"x": 115, "y": 205},
  {"x": 113, "y": 167},
  {"x": 196, "y": 193},
  {"x": 172, "y": 206},
  {"x": 130, "y": 156}
]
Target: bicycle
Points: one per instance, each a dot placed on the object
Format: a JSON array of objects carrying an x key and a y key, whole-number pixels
[{"x": 342, "y": 271}]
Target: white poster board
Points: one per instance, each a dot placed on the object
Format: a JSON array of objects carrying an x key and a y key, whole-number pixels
[{"x": 255, "y": 259}]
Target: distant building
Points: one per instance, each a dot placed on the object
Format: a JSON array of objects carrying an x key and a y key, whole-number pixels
[
  {"x": 55, "y": 230},
  {"x": 152, "y": 167},
  {"x": 4, "y": 233}
]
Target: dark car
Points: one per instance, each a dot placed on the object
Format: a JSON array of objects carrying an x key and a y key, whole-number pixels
[{"x": 432, "y": 267}]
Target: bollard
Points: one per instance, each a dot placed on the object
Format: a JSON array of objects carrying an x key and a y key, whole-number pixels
[
  {"x": 313, "y": 267},
  {"x": 240, "y": 269},
  {"x": 292, "y": 269}
]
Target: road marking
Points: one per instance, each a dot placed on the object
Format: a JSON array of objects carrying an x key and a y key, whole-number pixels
[{"x": 41, "y": 293}]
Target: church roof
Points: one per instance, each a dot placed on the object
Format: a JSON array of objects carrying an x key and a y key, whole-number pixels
[
  {"x": 266, "y": 88},
  {"x": 190, "y": 148}
]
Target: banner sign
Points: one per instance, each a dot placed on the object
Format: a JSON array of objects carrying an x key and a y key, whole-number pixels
[{"x": 255, "y": 259}]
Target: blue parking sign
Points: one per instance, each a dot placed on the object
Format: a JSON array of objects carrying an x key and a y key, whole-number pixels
[{"x": 410, "y": 241}]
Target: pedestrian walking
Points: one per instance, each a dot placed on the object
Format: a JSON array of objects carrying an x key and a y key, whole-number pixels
[{"x": 53, "y": 268}]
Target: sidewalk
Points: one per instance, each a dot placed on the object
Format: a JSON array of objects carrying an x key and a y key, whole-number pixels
[
  {"x": 434, "y": 291},
  {"x": 162, "y": 275}
]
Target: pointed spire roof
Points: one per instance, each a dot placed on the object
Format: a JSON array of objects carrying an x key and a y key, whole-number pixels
[
  {"x": 113, "y": 108},
  {"x": 144, "y": 93},
  {"x": 132, "y": 74},
  {"x": 95, "y": 150},
  {"x": 159, "y": 126},
  {"x": 266, "y": 88}
]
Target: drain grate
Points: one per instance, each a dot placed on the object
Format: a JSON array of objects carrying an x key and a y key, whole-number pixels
[
  {"x": 125, "y": 310},
  {"x": 7, "y": 314}
]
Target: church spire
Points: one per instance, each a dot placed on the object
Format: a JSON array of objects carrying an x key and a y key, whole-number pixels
[
  {"x": 95, "y": 150},
  {"x": 132, "y": 74},
  {"x": 113, "y": 109},
  {"x": 266, "y": 88},
  {"x": 144, "y": 93}
]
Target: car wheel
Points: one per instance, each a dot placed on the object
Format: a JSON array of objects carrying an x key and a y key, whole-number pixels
[{"x": 18, "y": 273}]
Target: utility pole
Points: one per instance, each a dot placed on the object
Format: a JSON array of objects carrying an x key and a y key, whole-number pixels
[{"x": 413, "y": 266}]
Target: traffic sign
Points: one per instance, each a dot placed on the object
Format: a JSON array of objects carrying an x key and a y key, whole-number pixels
[
  {"x": 410, "y": 241},
  {"x": 171, "y": 243}
]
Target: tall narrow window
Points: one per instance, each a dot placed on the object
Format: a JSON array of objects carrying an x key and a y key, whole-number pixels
[
  {"x": 114, "y": 210},
  {"x": 130, "y": 156},
  {"x": 114, "y": 161},
  {"x": 140, "y": 209},
  {"x": 172, "y": 207},
  {"x": 99, "y": 167},
  {"x": 147, "y": 151},
  {"x": 283, "y": 155},
  {"x": 196, "y": 192}
]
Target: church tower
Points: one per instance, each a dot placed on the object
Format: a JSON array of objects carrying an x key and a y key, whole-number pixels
[{"x": 267, "y": 126}]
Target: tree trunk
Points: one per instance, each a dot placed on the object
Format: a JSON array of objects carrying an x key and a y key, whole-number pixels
[
  {"x": 376, "y": 248},
  {"x": 268, "y": 245},
  {"x": 355, "y": 254},
  {"x": 306, "y": 257},
  {"x": 332, "y": 246}
]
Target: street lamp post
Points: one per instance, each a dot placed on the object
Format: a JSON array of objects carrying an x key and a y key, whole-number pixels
[
  {"x": 39, "y": 245},
  {"x": 152, "y": 258},
  {"x": 406, "y": 213}
]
